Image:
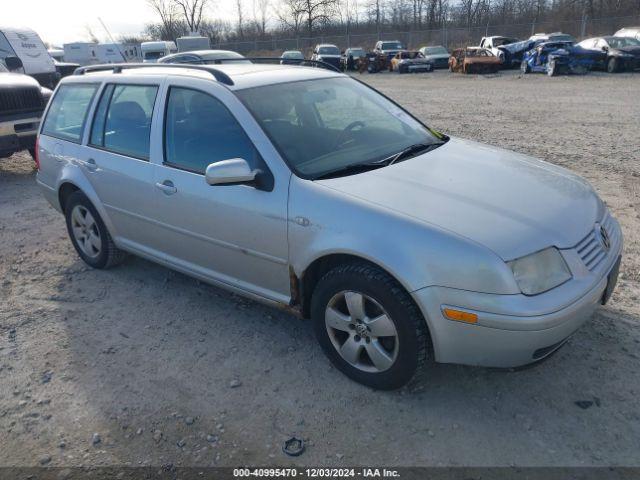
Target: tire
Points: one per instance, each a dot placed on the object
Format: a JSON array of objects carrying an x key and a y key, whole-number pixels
[
  {"x": 612, "y": 65},
  {"x": 102, "y": 253},
  {"x": 398, "y": 357},
  {"x": 524, "y": 67},
  {"x": 552, "y": 68}
]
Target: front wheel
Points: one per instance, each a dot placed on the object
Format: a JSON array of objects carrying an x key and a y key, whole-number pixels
[
  {"x": 552, "y": 68},
  {"x": 89, "y": 234},
  {"x": 369, "y": 326},
  {"x": 612, "y": 65},
  {"x": 524, "y": 67}
]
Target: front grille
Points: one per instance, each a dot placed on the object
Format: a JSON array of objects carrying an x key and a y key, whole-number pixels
[
  {"x": 17, "y": 100},
  {"x": 591, "y": 249}
]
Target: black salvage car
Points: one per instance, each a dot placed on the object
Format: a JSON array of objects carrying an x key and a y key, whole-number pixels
[
  {"x": 22, "y": 101},
  {"x": 622, "y": 53}
]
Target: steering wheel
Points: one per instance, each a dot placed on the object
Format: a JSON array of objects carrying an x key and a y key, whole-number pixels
[{"x": 348, "y": 129}]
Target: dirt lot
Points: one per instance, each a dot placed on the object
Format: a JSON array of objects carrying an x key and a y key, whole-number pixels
[{"x": 139, "y": 365}]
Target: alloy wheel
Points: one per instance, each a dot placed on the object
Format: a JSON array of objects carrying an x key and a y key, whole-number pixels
[
  {"x": 85, "y": 231},
  {"x": 361, "y": 331}
]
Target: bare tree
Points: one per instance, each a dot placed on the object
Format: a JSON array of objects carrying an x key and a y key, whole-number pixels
[
  {"x": 166, "y": 10},
  {"x": 192, "y": 12},
  {"x": 317, "y": 11},
  {"x": 260, "y": 12},
  {"x": 240, "y": 17}
]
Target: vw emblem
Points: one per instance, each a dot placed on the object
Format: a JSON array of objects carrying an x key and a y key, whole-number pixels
[{"x": 604, "y": 238}]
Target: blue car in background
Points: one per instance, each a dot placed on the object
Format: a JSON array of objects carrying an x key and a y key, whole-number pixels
[{"x": 559, "y": 57}]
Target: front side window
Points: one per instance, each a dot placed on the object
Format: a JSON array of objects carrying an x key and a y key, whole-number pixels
[
  {"x": 200, "y": 130},
  {"x": 321, "y": 126},
  {"x": 68, "y": 111},
  {"x": 122, "y": 122}
]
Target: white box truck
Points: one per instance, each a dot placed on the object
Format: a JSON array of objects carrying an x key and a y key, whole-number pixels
[
  {"x": 25, "y": 44},
  {"x": 191, "y": 43},
  {"x": 152, "y": 51},
  {"x": 110, "y": 53},
  {"x": 82, "y": 53}
]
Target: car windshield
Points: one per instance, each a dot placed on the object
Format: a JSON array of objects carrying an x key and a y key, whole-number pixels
[
  {"x": 504, "y": 41},
  {"x": 621, "y": 42},
  {"x": 329, "y": 51},
  {"x": 153, "y": 55},
  {"x": 357, "y": 52},
  {"x": 435, "y": 51},
  {"x": 561, "y": 38},
  {"x": 392, "y": 46},
  {"x": 321, "y": 126},
  {"x": 206, "y": 57},
  {"x": 292, "y": 55}
]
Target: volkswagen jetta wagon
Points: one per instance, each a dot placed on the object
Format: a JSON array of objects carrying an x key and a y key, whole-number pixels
[{"x": 305, "y": 188}]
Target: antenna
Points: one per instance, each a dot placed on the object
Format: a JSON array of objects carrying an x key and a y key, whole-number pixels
[{"x": 112, "y": 41}]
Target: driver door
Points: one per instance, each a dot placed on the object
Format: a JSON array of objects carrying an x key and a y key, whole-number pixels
[{"x": 232, "y": 234}]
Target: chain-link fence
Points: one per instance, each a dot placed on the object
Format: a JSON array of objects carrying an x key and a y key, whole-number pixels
[{"x": 450, "y": 37}]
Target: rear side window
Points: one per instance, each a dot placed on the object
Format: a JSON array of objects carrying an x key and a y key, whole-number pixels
[
  {"x": 68, "y": 112},
  {"x": 199, "y": 130},
  {"x": 122, "y": 123}
]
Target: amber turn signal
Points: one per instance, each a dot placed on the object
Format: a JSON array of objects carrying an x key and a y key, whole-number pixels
[{"x": 460, "y": 316}]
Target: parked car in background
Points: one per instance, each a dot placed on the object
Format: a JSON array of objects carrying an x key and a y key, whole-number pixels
[
  {"x": 563, "y": 57},
  {"x": 22, "y": 101},
  {"x": 622, "y": 53},
  {"x": 513, "y": 53},
  {"x": 410, "y": 62},
  {"x": 277, "y": 182},
  {"x": 438, "y": 55},
  {"x": 629, "y": 32},
  {"x": 327, "y": 53},
  {"x": 474, "y": 60},
  {"x": 291, "y": 57},
  {"x": 389, "y": 48},
  {"x": 351, "y": 57},
  {"x": 552, "y": 37},
  {"x": 204, "y": 57},
  {"x": 65, "y": 68},
  {"x": 496, "y": 43},
  {"x": 376, "y": 62},
  {"x": 26, "y": 45},
  {"x": 153, "y": 51}
]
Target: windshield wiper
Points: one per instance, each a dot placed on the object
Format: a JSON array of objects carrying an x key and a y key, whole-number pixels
[
  {"x": 410, "y": 151},
  {"x": 349, "y": 170}
]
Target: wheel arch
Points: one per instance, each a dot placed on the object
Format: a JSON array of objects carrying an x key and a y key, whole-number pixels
[
  {"x": 310, "y": 276},
  {"x": 69, "y": 183}
]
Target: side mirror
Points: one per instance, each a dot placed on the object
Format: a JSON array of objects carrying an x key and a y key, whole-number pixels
[
  {"x": 13, "y": 63},
  {"x": 605, "y": 49},
  {"x": 235, "y": 171}
]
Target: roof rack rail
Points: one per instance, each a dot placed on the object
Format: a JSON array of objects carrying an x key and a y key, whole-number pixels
[
  {"x": 118, "y": 67},
  {"x": 283, "y": 61}
]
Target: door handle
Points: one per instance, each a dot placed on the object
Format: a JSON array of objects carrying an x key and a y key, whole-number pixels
[
  {"x": 91, "y": 165},
  {"x": 167, "y": 187}
]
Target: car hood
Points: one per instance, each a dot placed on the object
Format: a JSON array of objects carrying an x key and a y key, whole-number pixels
[
  {"x": 511, "y": 203},
  {"x": 17, "y": 80}
]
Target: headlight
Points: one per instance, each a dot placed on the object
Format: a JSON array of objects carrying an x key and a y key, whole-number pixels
[{"x": 541, "y": 271}]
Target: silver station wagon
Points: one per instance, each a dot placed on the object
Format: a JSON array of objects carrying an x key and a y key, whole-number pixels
[{"x": 306, "y": 189}]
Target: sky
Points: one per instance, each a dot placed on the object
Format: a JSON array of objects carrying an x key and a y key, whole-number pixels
[{"x": 64, "y": 21}]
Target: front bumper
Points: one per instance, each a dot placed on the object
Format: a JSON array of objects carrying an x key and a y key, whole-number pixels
[
  {"x": 514, "y": 330},
  {"x": 18, "y": 134}
]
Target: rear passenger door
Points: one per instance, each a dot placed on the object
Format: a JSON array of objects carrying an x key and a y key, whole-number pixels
[
  {"x": 117, "y": 160},
  {"x": 234, "y": 234}
]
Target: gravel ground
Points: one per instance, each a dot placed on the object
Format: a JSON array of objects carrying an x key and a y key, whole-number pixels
[{"x": 143, "y": 366}]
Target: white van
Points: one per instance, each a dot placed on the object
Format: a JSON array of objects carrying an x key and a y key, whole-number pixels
[
  {"x": 25, "y": 44},
  {"x": 152, "y": 51},
  {"x": 82, "y": 53}
]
